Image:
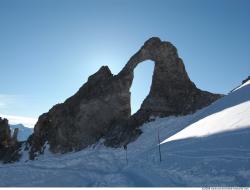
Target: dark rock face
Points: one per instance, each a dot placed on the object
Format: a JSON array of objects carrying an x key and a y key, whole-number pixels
[
  {"x": 171, "y": 93},
  {"x": 247, "y": 79},
  {"x": 5, "y": 133},
  {"x": 85, "y": 117},
  {"x": 9, "y": 147},
  {"x": 101, "y": 107}
]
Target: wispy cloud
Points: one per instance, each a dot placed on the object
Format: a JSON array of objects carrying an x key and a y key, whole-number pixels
[
  {"x": 26, "y": 121},
  {"x": 6, "y": 99},
  {"x": 2, "y": 105},
  {"x": 10, "y": 103}
]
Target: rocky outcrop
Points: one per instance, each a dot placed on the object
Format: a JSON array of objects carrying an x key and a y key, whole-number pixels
[
  {"x": 9, "y": 146},
  {"x": 15, "y": 134},
  {"x": 85, "y": 117},
  {"x": 245, "y": 80},
  {"x": 171, "y": 93},
  {"x": 101, "y": 107},
  {"x": 5, "y": 133}
]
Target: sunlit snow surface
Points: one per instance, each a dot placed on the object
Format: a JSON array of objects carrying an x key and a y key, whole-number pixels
[
  {"x": 214, "y": 151},
  {"x": 227, "y": 114}
]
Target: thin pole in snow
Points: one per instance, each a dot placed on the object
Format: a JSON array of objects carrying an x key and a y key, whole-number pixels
[
  {"x": 159, "y": 145},
  {"x": 125, "y": 148},
  {"x": 126, "y": 157}
]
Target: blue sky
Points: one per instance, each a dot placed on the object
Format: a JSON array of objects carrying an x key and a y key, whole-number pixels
[{"x": 48, "y": 48}]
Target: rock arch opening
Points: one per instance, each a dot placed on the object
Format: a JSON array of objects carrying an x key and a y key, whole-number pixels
[{"x": 140, "y": 88}]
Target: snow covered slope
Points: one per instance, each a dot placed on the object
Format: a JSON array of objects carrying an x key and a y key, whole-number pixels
[
  {"x": 23, "y": 133},
  {"x": 208, "y": 148},
  {"x": 228, "y": 114}
]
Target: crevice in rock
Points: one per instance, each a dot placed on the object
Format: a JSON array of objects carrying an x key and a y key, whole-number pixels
[{"x": 140, "y": 88}]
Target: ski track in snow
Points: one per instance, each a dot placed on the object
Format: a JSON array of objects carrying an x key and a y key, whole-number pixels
[{"x": 203, "y": 156}]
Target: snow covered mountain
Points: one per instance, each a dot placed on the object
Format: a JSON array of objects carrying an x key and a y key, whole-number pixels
[
  {"x": 23, "y": 132},
  {"x": 208, "y": 148}
]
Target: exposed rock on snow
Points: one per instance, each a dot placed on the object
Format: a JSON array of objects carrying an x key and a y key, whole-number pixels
[
  {"x": 101, "y": 107},
  {"x": 9, "y": 145},
  {"x": 247, "y": 79},
  {"x": 85, "y": 117},
  {"x": 5, "y": 135}
]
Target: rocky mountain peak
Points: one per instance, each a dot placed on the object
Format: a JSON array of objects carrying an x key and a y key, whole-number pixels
[
  {"x": 101, "y": 108},
  {"x": 245, "y": 80}
]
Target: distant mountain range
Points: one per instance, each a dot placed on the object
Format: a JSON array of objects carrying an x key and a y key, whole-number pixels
[{"x": 23, "y": 132}]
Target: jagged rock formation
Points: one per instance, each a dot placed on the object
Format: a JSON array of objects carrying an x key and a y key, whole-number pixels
[
  {"x": 5, "y": 133},
  {"x": 15, "y": 133},
  {"x": 101, "y": 107},
  {"x": 9, "y": 146},
  {"x": 245, "y": 80},
  {"x": 171, "y": 93},
  {"x": 85, "y": 117}
]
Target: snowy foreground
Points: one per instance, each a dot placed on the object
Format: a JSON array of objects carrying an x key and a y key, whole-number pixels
[{"x": 208, "y": 148}]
